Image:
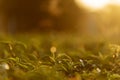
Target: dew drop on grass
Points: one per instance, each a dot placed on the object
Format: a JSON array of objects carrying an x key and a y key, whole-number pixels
[
  {"x": 3, "y": 72},
  {"x": 98, "y": 70},
  {"x": 5, "y": 66},
  {"x": 59, "y": 61}
]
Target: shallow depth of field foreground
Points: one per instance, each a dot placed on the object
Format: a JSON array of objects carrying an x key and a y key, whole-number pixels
[{"x": 59, "y": 40}]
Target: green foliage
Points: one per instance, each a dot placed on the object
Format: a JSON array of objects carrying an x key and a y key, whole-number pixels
[{"x": 30, "y": 59}]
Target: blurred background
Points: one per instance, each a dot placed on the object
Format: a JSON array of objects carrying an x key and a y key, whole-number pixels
[{"x": 82, "y": 17}]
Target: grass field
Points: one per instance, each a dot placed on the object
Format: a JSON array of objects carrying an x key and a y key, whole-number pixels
[{"x": 58, "y": 57}]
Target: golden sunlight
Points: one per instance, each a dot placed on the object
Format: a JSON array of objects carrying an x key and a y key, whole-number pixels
[
  {"x": 115, "y": 2},
  {"x": 93, "y": 4}
]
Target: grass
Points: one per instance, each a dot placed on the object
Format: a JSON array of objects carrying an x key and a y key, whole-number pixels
[{"x": 51, "y": 57}]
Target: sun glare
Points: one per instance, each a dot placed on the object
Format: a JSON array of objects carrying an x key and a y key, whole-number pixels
[
  {"x": 115, "y": 2},
  {"x": 93, "y": 4}
]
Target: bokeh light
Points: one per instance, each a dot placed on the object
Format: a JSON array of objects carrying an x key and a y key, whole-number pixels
[
  {"x": 115, "y": 2},
  {"x": 93, "y": 4}
]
